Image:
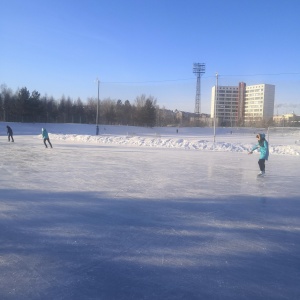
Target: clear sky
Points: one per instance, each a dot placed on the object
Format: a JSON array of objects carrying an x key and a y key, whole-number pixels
[{"x": 135, "y": 47}]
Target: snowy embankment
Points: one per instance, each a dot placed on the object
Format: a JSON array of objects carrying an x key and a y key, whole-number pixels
[
  {"x": 173, "y": 142},
  {"x": 284, "y": 141}
]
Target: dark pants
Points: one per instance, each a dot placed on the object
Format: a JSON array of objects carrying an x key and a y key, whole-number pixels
[
  {"x": 261, "y": 164},
  {"x": 47, "y": 139},
  {"x": 10, "y": 137}
]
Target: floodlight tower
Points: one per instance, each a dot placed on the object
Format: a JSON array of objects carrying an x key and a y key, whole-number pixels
[{"x": 198, "y": 69}]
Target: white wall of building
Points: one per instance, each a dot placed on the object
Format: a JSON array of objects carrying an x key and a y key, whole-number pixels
[{"x": 259, "y": 102}]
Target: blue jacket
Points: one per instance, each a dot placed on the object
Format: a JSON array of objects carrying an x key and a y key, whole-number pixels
[
  {"x": 263, "y": 147},
  {"x": 44, "y": 133}
]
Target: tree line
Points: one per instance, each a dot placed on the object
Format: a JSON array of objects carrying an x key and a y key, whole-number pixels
[{"x": 25, "y": 106}]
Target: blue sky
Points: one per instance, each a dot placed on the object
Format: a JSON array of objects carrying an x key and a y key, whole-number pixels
[{"x": 136, "y": 47}]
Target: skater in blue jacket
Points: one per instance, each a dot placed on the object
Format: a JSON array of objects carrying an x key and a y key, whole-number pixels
[
  {"x": 263, "y": 147},
  {"x": 46, "y": 137}
]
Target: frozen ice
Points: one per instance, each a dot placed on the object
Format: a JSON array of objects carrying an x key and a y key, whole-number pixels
[{"x": 146, "y": 213}]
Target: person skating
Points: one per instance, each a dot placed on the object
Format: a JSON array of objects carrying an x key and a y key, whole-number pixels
[
  {"x": 263, "y": 147},
  {"x": 10, "y": 134},
  {"x": 46, "y": 137}
]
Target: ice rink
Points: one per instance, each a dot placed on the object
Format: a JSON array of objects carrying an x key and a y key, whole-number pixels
[{"x": 92, "y": 220}]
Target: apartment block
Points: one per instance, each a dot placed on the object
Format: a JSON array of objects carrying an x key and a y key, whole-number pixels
[
  {"x": 226, "y": 105},
  {"x": 238, "y": 105},
  {"x": 259, "y": 102}
]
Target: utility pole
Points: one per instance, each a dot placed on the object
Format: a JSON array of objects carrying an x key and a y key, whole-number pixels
[
  {"x": 97, "y": 114},
  {"x": 215, "y": 107}
]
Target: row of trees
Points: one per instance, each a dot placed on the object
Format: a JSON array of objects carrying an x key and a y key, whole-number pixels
[{"x": 23, "y": 106}]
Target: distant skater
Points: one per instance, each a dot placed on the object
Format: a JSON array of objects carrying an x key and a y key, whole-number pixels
[
  {"x": 46, "y": 137},
  {"x": 263, "y": 147},
  {"x": 10, "y": 134}
]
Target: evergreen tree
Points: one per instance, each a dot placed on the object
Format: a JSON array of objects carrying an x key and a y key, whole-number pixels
[{"x": 22, "y": 104}]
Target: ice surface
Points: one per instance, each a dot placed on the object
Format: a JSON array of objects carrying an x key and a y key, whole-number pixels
[{"x": 98, "y": 218}]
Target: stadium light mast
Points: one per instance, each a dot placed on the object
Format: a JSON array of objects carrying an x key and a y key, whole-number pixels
[
  {"x": 198, "y": 69},
  {"x": 97, "y": 113}
]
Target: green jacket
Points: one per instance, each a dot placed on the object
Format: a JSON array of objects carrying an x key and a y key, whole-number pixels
[
  {"x": 44, "y": 133},
  {"x": 263, "y": 147}
]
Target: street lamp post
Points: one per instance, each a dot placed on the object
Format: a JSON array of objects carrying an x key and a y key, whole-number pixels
[
  {"x": 215, "y": 107},
  {"x": 97, "y": 115}
]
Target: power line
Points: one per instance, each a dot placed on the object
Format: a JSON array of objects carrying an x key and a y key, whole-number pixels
[
  {"x": 204, "y": 77},
  {"x": 262, "y": 74},
  {"x": 150, "y": 81}
]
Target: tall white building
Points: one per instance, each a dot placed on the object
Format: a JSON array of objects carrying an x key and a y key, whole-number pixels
[
  {"x": 226, "y": 104},
  {"x": 236, "y": 105},
  {"x": 259, "y": 102}
]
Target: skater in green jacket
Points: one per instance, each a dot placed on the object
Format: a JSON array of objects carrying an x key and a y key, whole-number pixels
[
  {"x": 263, "y": 147},
  {"x": 46, "y": 137}
]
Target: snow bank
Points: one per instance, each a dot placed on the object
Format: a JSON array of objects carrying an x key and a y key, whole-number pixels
[
  {"x": 173, "y": 142},
  {"x": 283, "y": 141}
]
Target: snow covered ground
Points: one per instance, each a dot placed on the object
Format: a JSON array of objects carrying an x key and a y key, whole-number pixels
[{"x": 141, "y": 213}]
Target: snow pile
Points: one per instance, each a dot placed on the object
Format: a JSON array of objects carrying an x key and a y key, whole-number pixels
[
  {"x": 173, "y": 142},
  {"x": 283, "y": 141},
  {"x": 288, "y": 150}
]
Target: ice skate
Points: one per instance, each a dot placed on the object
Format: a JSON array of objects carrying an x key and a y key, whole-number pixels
[{"x": 261, "y": 174}]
